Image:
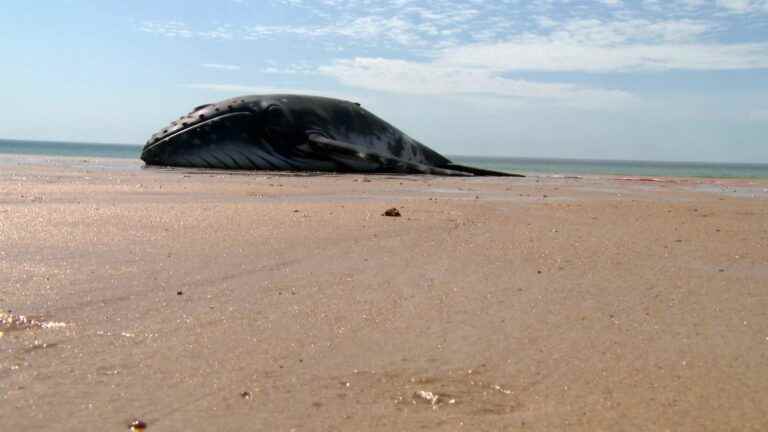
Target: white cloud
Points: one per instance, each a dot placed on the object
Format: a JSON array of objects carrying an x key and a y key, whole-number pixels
[
  {"x": 366, "y": 22},
  {"x": 739, "y": 6},
  {"x": 582, "y": 44},
  {"x": 180, "y": 29},
  {"x": 295, "y": 69},
  {"x": 226, "y": 67},
  {"x": 744, "y": 6},
  {"x": 569, "y": 56},
  {"x": 442, "y": 23},
  {"x": 599, "y": 32},
  {"x": 366, "y": 30},
  {"x": 692, "y": 4},
  {"x": 168, "y": 28},
  {"x": 579, "y": 45},
  {"x": 591, "y": 45},
  {"x": 400, "y": 76},
  {"x": 472, "y": 47}
]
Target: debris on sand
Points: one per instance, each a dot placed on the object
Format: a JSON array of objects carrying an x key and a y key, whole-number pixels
[
  {"x": 433, "y": 399},
  {"x": 10, "y": 322},
  {"x": 52, "y": 324},
  {"x": 138, "y": 425},
  {"x": 427, "y": 396},
  {"x": 392, "y": 212}
]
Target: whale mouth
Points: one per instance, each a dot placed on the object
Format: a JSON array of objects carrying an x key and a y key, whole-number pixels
[
  {"x": 204, "y": 123},
  {"x": 229, "y": 127},
  {"x": 220, "y": 120},
  {"x": 200, "y": 115}
]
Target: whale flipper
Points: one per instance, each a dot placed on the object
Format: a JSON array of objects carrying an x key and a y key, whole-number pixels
[
  {"x": 480, "y": 171},
  {"x": 343, "y": 152}
]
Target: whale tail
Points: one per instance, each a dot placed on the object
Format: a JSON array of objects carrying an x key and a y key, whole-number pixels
[{"x": 479, "y": 171}]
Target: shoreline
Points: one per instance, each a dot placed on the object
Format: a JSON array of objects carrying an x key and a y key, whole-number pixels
[
  {"x": 530, "y": 167},
  {"x": 135, "y": 163}
]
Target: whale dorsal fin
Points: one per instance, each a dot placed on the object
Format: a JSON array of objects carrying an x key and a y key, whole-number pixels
[{"x": 351, "y": 151}]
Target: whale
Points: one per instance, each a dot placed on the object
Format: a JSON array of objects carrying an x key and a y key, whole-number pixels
[{"x": 283, "y": 132}]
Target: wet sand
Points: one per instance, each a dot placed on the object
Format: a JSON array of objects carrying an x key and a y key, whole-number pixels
[{"x": 221, "y": 301}]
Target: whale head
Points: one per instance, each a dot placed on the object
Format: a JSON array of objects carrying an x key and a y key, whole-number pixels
[{"x": 247, "y": 132}]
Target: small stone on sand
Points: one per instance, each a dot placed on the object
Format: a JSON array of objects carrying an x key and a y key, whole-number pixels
[
  {"x": 138, "y": 425},
  {"x": 393, "y": 212}
]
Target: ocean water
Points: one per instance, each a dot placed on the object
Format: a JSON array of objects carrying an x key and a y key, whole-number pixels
[
  {"x": 563, "y": 167},
  {"x": 69, "y": 149},
  {"x": 617, "y": 167}
]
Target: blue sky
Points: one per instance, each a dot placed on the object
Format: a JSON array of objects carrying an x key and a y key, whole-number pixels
[{"x": 645, "y": 79}]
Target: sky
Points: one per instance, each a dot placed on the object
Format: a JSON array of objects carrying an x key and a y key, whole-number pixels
[{"x": 602, "y": 79}]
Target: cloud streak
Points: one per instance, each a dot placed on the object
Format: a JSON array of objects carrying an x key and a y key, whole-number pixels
[
  {"x": 618, "y": 46},
  {"x": 401, "y": 76},
  {"x": 547, "y": 55},
  {"x": 224, "y": 67},
  {"x": 438, "y": 24},
  {"x": 744, "y": 6}
]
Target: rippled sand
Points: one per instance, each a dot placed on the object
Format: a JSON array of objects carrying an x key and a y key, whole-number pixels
[{"x": 197, "y": 300}]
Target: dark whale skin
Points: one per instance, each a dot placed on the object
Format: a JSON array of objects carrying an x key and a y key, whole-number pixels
[{"x": 294, "y": 133}]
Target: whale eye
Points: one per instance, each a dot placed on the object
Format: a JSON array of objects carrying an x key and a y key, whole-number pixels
[
  {"x": 276, "y": 117},
  {"x": 274, "y": 112}
]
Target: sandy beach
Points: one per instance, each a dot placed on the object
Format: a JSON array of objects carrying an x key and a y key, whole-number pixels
[{"x": 198, "y": 300}]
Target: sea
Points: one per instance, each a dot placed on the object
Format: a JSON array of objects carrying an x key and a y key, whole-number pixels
[{"x": 530, "y": 166}]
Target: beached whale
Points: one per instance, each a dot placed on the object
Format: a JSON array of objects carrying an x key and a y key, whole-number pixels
[{"x": 294, "y": 133}]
